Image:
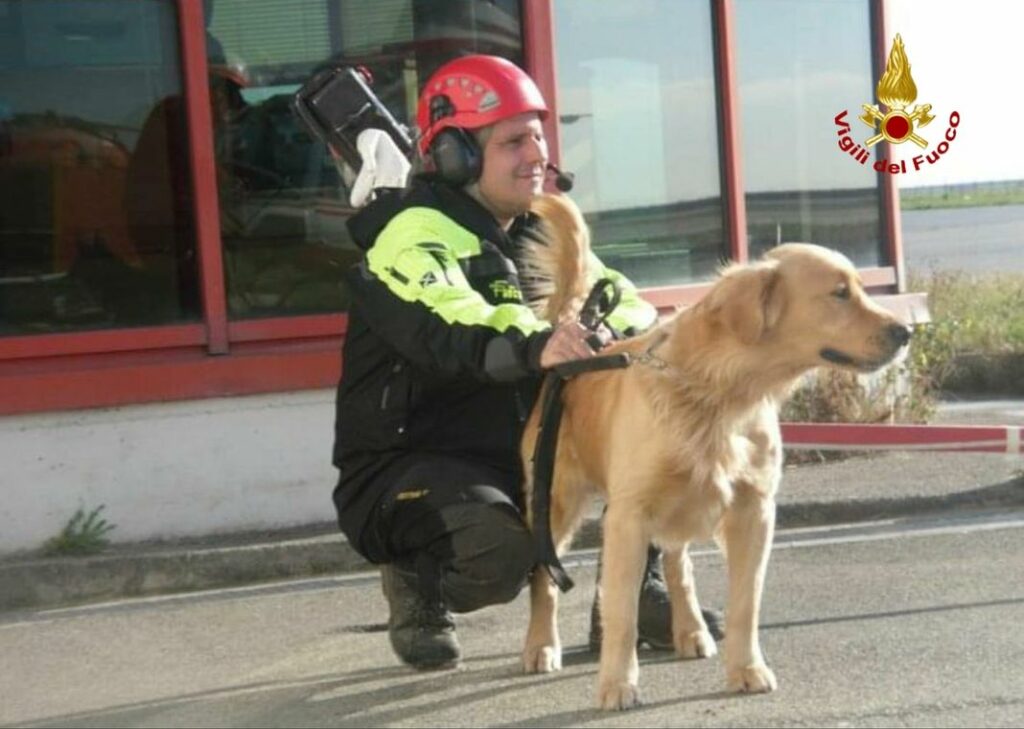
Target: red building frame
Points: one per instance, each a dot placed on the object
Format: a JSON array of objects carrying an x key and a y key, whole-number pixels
[{"x": 218, "y": 357}]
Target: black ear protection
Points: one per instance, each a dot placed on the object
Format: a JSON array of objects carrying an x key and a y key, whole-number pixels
[{"x": 454, "y": 152}]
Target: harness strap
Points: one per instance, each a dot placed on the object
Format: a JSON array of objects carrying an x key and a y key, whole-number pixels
[{"x": 544, "y": 453}]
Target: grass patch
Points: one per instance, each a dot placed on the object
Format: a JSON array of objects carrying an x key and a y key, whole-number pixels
[
  {"x": 901, "y": 393},
  {"x": 977, "y": 330},
  {"x": 834, "y": 396},
  {"x": 83, "y": 534},
  {"x": 963, "y": 196}
]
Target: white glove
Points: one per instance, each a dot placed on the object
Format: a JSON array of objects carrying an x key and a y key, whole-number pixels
[{"x": 384, "y": 165}]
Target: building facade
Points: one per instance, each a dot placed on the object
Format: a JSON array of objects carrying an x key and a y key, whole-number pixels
[{"x": 171, "y": 240}]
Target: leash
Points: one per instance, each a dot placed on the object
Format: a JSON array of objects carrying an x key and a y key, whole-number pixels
[
  {"x": 599, "y": 305},
  {"x": 602, "y": 300}
]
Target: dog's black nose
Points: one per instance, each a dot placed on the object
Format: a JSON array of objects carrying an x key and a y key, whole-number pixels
[{"x": 899, "y": 334}]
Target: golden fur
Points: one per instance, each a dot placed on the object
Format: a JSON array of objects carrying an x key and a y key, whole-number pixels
[
  {"x": 686, "y": 445},
  {"x": 554, "y": 268}
]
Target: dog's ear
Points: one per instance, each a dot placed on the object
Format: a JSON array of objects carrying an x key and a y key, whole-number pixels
[{"x": 748, "y": 300}]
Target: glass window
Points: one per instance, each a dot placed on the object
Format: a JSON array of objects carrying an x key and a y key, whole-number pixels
[
  {"x": 95, "y": 207},
  {"x": 283, "y": 202},
  {"x": 637, "y": 105},
  {"x": 802, "y": 62}
]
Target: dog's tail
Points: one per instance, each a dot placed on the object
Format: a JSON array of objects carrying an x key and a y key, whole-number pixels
[{"x": 553, "y": 265}]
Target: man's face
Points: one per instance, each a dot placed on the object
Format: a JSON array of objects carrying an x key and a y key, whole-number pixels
[{"x": 514, "y": 165}]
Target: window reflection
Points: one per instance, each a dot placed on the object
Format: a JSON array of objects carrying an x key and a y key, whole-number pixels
[
  {"x": 95, "y": 228},
  {"x": 800, "y": 63},
  {"x": 283, "y": 202},
  {"x": 639, "y": 130}
]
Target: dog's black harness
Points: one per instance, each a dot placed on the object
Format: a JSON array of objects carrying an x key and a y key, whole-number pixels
[{"x": 600, "y": 303}]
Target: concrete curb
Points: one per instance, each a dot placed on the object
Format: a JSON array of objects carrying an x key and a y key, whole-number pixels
[{"x": 48, "y": 582}]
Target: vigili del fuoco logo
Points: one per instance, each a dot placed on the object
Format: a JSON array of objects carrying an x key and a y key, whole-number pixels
[{"x": 897, "y": 91}]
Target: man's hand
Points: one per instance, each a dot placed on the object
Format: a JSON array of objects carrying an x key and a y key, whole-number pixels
[{"x": 568, "y": 342}]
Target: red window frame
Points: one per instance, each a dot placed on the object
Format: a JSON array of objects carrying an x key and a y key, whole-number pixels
[{"x": 218, "y": 357}]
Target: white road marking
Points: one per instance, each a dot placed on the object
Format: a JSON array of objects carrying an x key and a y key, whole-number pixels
[{"x": 784, "y": 539}]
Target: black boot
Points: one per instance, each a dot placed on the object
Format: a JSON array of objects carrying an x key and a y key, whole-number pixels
[
  {"x": 422, "y": 631},
  {"x": 654, "y": 610}
]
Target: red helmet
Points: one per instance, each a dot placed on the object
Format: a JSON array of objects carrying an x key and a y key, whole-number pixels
[{"x": 480, "y": 90}]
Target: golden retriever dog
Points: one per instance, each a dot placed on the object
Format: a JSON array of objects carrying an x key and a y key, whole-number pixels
[{"x": 684, "y": 443}]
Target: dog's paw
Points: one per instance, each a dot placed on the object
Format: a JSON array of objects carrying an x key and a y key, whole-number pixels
[
  {"x": 757, "y": 679},
  {"x": 615, "y": 696},
  {"x": 542, "y": 658},
  {"x": 697, "y": 644}
]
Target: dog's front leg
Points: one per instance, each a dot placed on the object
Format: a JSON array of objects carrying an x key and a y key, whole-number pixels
[
  {"x": 543, "y": 650},
  {"x": 747, "y": 531},
  {"x": 625, "y": 549},
  {"x": 689, "y": 631}
]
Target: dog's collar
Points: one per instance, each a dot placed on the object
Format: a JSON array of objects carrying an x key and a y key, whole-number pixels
[{"x": 649, "y": 358}]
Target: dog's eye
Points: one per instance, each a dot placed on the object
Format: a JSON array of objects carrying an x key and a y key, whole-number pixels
[{"x": 842, "y": 292}]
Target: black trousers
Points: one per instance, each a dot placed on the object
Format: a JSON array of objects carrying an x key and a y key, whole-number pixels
[{"x": 456, "y": 523}]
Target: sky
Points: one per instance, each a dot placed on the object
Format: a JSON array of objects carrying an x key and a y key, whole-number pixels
[{"x": 968, "y": 57}]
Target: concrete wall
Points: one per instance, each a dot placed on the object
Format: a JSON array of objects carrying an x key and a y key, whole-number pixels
[
  {"x": 175, "y": 470},
  {"x": 169, "y": 470}
]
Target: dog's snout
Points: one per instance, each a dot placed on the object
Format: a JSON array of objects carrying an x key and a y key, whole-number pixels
[{"x": 899, "y": 334}]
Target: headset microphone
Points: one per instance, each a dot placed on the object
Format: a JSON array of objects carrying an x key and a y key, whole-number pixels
[{"x": 563, "y": 180}]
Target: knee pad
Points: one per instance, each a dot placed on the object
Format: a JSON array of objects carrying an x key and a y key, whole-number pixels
[
  {"x": 495, "y": 551},
  {"x": 518, "y": 554}
]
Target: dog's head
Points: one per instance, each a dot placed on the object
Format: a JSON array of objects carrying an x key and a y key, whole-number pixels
[{"x": 809, "y": 302}]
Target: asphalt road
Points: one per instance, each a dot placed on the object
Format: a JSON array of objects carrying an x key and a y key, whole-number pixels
[
  {"x": 914, "y": 623},
  {"x": 979, "y": 240}
]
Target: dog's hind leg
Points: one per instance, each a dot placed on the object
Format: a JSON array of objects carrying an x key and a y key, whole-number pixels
[
  {"x": 747, "y": 532},
  {"x": 543, "y": 650},
  {"x": 625, "y": 549},
  {"x": 690, "y": 633}
]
